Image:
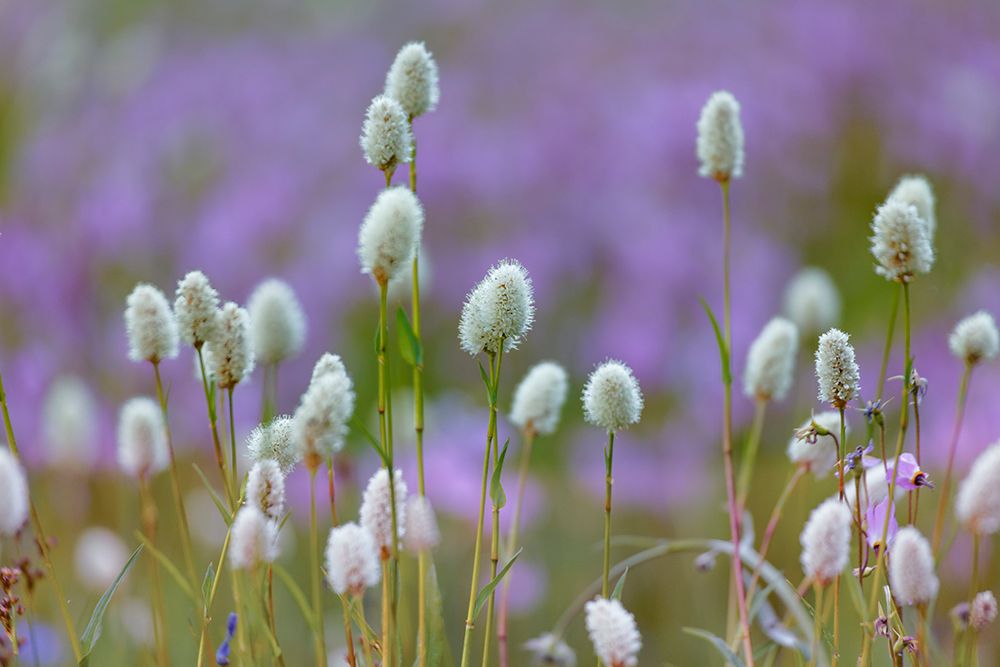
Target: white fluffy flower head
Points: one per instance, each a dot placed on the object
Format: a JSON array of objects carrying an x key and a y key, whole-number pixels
[
  {"x": 150, "y": 325},
  {"x": 812, "y": 300},
  {"x": 500, "y": 309},
  {"x": 13, "y": 494},
  {"x": 612, "y": 399},
  {"x": 975, "y": 338},
  {"x": 69, "y": 427},
  {"x": 771, "y": 361},
  {"x": 421, "y": 532},
  {"x": 977, "y": 504},
  {"x": 376, "y": 509},
  {"x": 613, "y": 632},
  {"x": 911, "y": 568},
  {"x": 390, "y": 234},
  {"x": 274, "y": 441},
  {"x": 983, "y": 610},
  {"x": 266, "y": 489},
  {"x": 351, "y": 560},
  {"x": 900, "y": 243},
  {"x": 385, "y": 134},
  {"x": 277, "y": 321},
  {"x": 837, "y": 372},
  {"x": 328, "y": 363},
  {"x": 231, "y": 349},
  {"x": 539, "y": 398},
  {"x": 826, "y": 541},
  {"x": 819, "y": 456},
  {"x": 321, "y": 421},
  {"x": 548, "y": 650},
  {"x": 720, "y": 138},
  {"x": 254, "y": 539},
  {"x": 98, "y": 557},
  {"x": 142, "y": 438},
  {"x": 196, "y": 306},
  {"x": 413, "y": 80},
  {"x": 916, "y": 190}
]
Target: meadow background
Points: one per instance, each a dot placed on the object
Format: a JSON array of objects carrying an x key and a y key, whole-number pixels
[{"x": 142, "y": 139}]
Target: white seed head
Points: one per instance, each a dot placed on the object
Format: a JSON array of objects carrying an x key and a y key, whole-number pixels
[
  {"x": 771, "y": 361},
  {"x": 720, "y": 138},
  {"x": 836, "y": 371},
  {"x": 13, "y": 494},
  {"x": 254, "y": 540},
  {"x": 975, "y": 338},
  {"x": 98, "y": 557},
  {"x": 376, "y": 508},
  {"x": 390, "y": 234},
  {"x": 916, "y": 190},
  {"x": 275, "y": 442},
  {"x": 413, "y": 80},
  {"x": 321, "y": 421},
  {"x": 351, "y": 560},
  {"x": 232, "y": 354},
  {"x": 69, "y": 424},
  {"x": 826, "y": 541},
  {"x": 328, "y": 363},
  {"x": 500, "y": 308},
  {"x": 911, "y": 568},
  {"x": 548, "y": 650},
  {"x": 812, "y": 300},
  {"x": 900, "y": 243},
  {"x": 421, "y": 532},
  {"x": 983, "y": 610},
  {"x": 277, "y": 321},
  {"x": 820, "y": 456},
  {"x": 613, "y": 632},
  {"x": 266, "y": 489},
  {"x": 977, "y": 504},
  {"x": 612, "y": 399},
  {"x": 385, "y": 135},
  {"x": 539, "y": 399},
  {"x": 142, "y": 438},
  {"x": 196, "y": 307},
  {"x": 150, "y": 325}
]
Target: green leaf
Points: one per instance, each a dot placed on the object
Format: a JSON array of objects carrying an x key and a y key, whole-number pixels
[
  {"x": 497, "y": 494},
  {"x": 93, "y": 630},
  {"x": 226, "y": 516},
  {"x": 727, "y": 377},
  {"x": 720, "y": 645},
  {"x": 169, "y": 566},
  {"x": 360, "y": 427},
  {"x": 484, "y": 594},
  {"x": 409, "y": 345},
  {"x": 617, "y": 593},
  {"x": 206, "y": 583},
  {"x": 438, "y": 651},
  {"x": 486, "y": 381}
]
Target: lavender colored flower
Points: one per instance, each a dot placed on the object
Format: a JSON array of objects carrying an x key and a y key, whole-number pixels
[
  {"x": 875, "y": 517},
  {"x": 909, "y": 476},
  {"x": 222, "y": 655}
]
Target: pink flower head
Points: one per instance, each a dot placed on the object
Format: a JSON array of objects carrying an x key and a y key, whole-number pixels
[
  {"x": 875, "y": 522},
  {"x": 909, "y": 476}
]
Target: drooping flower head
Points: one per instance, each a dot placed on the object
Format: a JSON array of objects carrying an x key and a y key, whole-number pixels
[
  {"x": 385, "y": 134},
  {"x": 376, "y": 509},
  {"x": 900, "y": 243},
  {"x": 977, "y": 504},
  {"x": 771, "y": 361},
  {"x": 975, "y": 338},
  {"x": 13, "y": 494},
  {"x": 390, "y": 234},
  {"x": 916, "y": 190},
  {"x": 196, "y": 306},
  {"x": 817, "y": 453},
  {"x": 277, "y": 321},
  {"x": 499, "y": 310},
  {"x": 539, "y": 398},
  {"x": 275, "y": 441},
  {"x": 351, "y": 560},
  {"x": 720, "y": 138},
  {"x": 612, "y": 398},
  {"x": 826, "y": 541},
  {"x": 254, "y": 540},
  {"x": 321, "y": 421},
  {"x": 412, "y": 80},
  {"x": 548, "y": 650},
  {"x": 613, "y": 632},
  {"x": 150, "y": 325},
  {"x": 836, "y": 370},
  {"x": 69, "y": 424},
  {"x": 232, "y": 355},
  {"x": 812, "y": 301},
  {"x": 421, "y": 532},
  {"x": 875, "y": 518},
  {"x": 266, "y": 489},
  {"x": 142, "y": 438},
  {"x": 909, "y": 476},
  {"x": 911, "y": 569}
]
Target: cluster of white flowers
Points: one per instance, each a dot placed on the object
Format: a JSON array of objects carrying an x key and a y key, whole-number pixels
[
  {"x": 351, "y": 560},
  {"x": 916, "y": 191},
  {"x": 975, "y": 338},
  {"x": 412, "y": 80},
  {"x": 977, "y": 504},
  {"x": 150, "y": 325},
  {"x": 820, "y": 454},
  {"x": 321, "y": 421},
  {"x": 900, "y": 242},
  {"x": 911, "y": 568},
  {"x": 275, "y": 442},
  {"x": 421, "y": 532},
  {"x": 498, "y": 311},
  {"x": 771, "y": 361},
  {"x": 812, "y": 301},
  {"x": 720, "y": 138},
  {"x": 613, "y": 632},
  {"x": 385, "y": 135},
  {"x": 612, "y": 399},
  {"x": 376, "y": 508},
  {"x": 69, "y": 424},
  {"x": 826, "y": 541},
  {"x": 232, "y": 352},
  {"x": 197, "y": 309},
  {"x": 837, "y": 372},
  {"x": 254, "y": 539},
  {"x": 266, "y": 489},
  {"x": 142, "y": 438},
  {"x": 390, "y": 234},
  {"x": 539, "y": 398}
]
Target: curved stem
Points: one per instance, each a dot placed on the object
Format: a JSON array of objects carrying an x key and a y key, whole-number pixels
[
  {"x": 314, "y": 568},
  {"x": 945, "y": 497},
  {"x": 608, "y": 482},
  {"x": 750, "y": 452},
  {"x": 890, "y": 331},
  {"x": 495, "y": 516},
  {"x": 214, "y": 423},
  {"x": 512, "y": 537}
]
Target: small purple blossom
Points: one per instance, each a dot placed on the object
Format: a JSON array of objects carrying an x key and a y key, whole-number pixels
[
  {"x": 909, "y": 476},
  {"x": 873, "y": 409},
  {"x": 875, "y": 522},
  {"x": 222, "y": 655}
]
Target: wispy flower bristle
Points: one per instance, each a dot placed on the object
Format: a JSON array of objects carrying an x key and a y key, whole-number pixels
[
  {"x": 385, "y": 134},
  {"x": 916, "y": 190},
  {"x": 612, "y": 398},
  {"x": 390, "y": 234},
  {"x": 376, "y": 509},
  {"x": 499, "y": 310},
  {"x": 321, "y": 421},
  {"x": 771, "y": 361},
  {"x": 150, "y": 324},
  {"x": 254, "y": 539},
  {"x": 277, "y": 322},
  {"x": 911, "y": 568},
  {"x": 266, "y": 489},
  {"x": 539, "y": 398},
  {"x": 412, "y": 80},
  {"x": 900, "y": 242},
  {"x": 275, "y": 441},
  {"x": 142, "y": 438}
]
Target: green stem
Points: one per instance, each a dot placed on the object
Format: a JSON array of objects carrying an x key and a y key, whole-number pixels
[
  {"x": 886, "y": 351},
  {"x": 314, "y": 568},
  {"x": 232, "y": 444},
  {"x": 772, "y": 524},
  {"x": 495, "y": 522},
  {"x": 214, "y": 423},
  {"x": 945, "y": 497},
  {"x": 206, "y": 616},
  {"x": 817, "y": 623},
  {"x": 149, "y": 521},
  {"x": 608, "y": 482},
  {"x": 365, "y": 644},
  {"x": 750, "y": 452},
  {"x": 386, "y": 606},
  {"x": 841, "y": 451}
]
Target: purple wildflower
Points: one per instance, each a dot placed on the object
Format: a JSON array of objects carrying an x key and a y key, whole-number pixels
[
  {"x": 875, "y": 521},
  {"x": 909, "y": 475},
  {"x": 222, "y": 655}
]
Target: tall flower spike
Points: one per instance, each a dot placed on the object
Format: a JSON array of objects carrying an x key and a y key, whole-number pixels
[
  {"x": 321, "y": 421},
  {"x": 836, "y": 371},
  {"x": 900, "y": 243},
  {"x": 421, "y": 532},
  {"x": 539, "y": 398},
  {"x": 911, "y": 569},
  {"x": 351, "y": 560},
  {"x": 612, "y": 399},
  {"x": 720, "y": 138},
  {"x": 150, "y": 324},
  {"x": 613, "y": 632},
  {"x": 142, "y": 438},
  {"x": 548, "y": 650},
  {"x": 771, "y": 361},
  {"x": 328, "y": 363},
  {"x": 975, "y": 338},
  {"x": 254, "y": 539},
  {"x": 916, "y": 190},
  {"x": 69, "y": 425},
  {"x": 826, "y": 541},
  {"x": 376, "y": 509},
  {"x": 232, "y": 347},
  {"x": 500, "y": 308},
  {"x": 817, "y": 453},
  {"x": 390, "y": 234},
  {"x": 13, "y": 494},
  {"x": 812, "y": 301},
  {"x": 266, "y": 489},
  {"x": 197, "y": 308},
  {"x": 413, "y": 80},
  {"x": 977, "y": 504},
  {"x": 277, "y": 321},
  {"x": 275, "y": 441},
  {"x": 385, "y": 135}
]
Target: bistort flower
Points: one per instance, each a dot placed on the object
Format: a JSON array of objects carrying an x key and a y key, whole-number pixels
[
  {"x": 231, "y": 350},
  {"x": 975, "y": 338},
  {"x": 720, "y": 138},
  {"x": 385, "y": 134},
  {"x": 539, "y": 398},
  {"x": 771, "y": 361},
  {"x": 499, "y": 310},
  {"x": 900, "y": 242},
  {"x": 612, "y": 399},
  {"x": 150, "y": 324},
  {"x": 613, "y": 633},
  {"x": 277, "y": 322},
  {"x": 412, "y": 80},
  {"x": 837, "y": 373},
  {"x": 812, "y": 301},
  {"x": 196, "y": 306},
  {"x": 142, "y": 438},
  {"x": 911, "y": 569},
  {"x": 390, "y": 234},
  {"x": 351, "y": 560},
  {"x": 826, "y": 541}
]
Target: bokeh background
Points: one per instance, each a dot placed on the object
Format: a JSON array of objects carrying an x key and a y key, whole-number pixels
[{"x": 142, "y": 139}]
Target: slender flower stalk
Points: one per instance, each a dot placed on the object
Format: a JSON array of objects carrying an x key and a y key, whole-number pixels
[
  {"x": 147, "y": 505},
  {"x": 494, "y": 523}
]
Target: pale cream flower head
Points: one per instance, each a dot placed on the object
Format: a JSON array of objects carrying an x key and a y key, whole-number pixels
[
  {"x": 142, "y": 438},
  {"x": 385, "y": 134},
  {"x": 498, "y": 311},
  {"x": 351, "y": 560},
  {"x": 977, "y": 504},
  {"x": 612, "y": 398},
  {"x": 720, "y": 138},
  {"x": 13, "y": 494},
  {"x": 390, "y": 234},
  {"x": 254, "y": 539},
  {"x": 837, "y": 373},
  {"x": 231, "y": 349},
  {"x": 277, "y": 322},
  {"x": 412, "y": 80},
  {"x": 196, "y": 306},
  {"x": 812, "y": 301},
  {"x": 771, "y": 361},
  {"x": 539, "y": 398},
  {"x": 975, "y": 338},
  {"x": 826, "y": 541},
  {"x": 613, "y": 632},
  {"x": 150, "y": 325},
  {"x": 916, "y": 190},
  {"x": 911, "y": 568},
  {"x": 376, "y": 509},
  {"x": 900, "y": 242}
]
